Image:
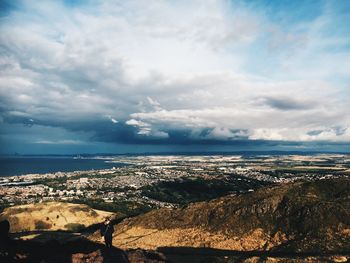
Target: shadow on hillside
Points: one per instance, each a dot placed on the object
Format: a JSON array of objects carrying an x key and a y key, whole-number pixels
[
  {"x": 56, "y": 246},
  {"x": 52, "y": 250},
  {"x": 62, "y": 246},
  {"x": 61, "y": 235},
  {"x": 202, "y": 255}
]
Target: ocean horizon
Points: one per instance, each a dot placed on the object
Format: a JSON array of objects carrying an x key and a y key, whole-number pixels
[{"x": 22, "y": 165}]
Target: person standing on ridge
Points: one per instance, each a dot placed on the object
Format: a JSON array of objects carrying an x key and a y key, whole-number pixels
[{"x": 108, "y": 233}]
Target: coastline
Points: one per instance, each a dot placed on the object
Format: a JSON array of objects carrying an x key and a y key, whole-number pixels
[{"x": 21, "y": 166}]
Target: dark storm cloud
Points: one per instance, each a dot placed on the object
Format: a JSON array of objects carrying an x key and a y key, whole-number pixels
[
  {"x": 286, "y": 103},
  {"x": 314, "y": 132},
  {"x": 152, "y": 73},
  {"x": 121, "y": 133}
]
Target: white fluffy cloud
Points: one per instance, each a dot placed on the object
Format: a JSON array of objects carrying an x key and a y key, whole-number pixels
[{"x": 159, "y": 66}]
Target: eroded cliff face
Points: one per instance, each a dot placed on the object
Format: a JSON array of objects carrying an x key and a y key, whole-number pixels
[{"x": 300, "y": 217}]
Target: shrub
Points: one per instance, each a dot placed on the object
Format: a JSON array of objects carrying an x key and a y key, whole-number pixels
[
  {"x": 74, "y": 227},
  {"x": 42, "y": 225}
]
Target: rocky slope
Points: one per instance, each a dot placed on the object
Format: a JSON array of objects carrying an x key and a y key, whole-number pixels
[{"x": 299, "y": 217}]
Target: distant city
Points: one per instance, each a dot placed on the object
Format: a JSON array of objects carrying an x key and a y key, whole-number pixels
[{"x": 147, "y": 182}]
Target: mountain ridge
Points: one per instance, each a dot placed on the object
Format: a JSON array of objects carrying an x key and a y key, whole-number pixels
[{"x": 300, "y": 217}]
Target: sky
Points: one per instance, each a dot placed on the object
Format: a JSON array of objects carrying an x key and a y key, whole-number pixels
[{"x": 174, "y": 76}]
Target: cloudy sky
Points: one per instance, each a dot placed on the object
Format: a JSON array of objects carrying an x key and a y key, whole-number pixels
[{"x": 150, "y": 76}]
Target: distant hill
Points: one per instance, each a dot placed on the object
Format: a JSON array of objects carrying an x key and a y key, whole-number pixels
[
  {"x": 297, "y": 217},
  {"x": 52, "y": 216}
]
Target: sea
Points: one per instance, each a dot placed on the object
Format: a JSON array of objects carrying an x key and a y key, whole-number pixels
[{"x": 10, "y": 166}]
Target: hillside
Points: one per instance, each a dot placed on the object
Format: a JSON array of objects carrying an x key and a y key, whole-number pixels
[
  {"x": 52, "y": 216},
  {"x": 294, "y": 222},
  {"x": 298, "y": 217}
]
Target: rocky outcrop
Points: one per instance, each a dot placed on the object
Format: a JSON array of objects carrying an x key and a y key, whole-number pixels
[{"x": 300, "y": 217}]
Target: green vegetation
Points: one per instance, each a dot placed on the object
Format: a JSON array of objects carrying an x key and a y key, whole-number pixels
[
  {"x": 297, "y": 170},
  {"x": 39, "y": 225},
  {"x": 74, "y": 227},
  {"x": 124, "y": 208},
  {"x": 3, "y": 206},
  {"x": 55, "y": 183},
  {"x": 324, "y": 191},
  {"x": 305, "y": 172},
  {"x": 189, "y": 190}
]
